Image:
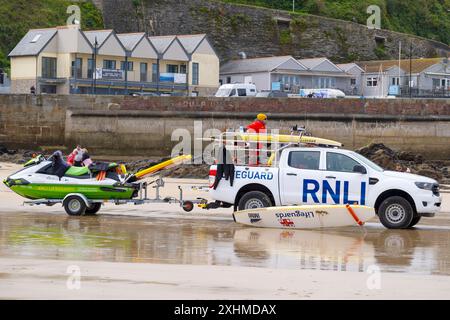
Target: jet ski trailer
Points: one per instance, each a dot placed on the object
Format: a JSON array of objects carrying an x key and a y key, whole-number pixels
[{"x": 82, "y": 191}]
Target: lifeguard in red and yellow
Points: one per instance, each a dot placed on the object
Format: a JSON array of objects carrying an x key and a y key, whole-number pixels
[{"x": 258, "y": 126}]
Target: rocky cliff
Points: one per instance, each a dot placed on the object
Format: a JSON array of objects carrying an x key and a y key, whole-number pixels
[{"x": 262, "y": 32}]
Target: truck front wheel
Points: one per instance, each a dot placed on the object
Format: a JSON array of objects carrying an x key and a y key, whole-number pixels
[
  {"x": 396, "y": 213},
  {"x": 253, "y": 200}
]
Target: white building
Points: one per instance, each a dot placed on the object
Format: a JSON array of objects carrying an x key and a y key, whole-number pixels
[
  {"x": 67, "y": 60},
  {"x": 420, "y": 77},
  {"x": 286, "y": 73}
]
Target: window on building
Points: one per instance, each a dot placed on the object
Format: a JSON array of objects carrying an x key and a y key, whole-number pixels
[
  {"x": 2, "y": 77},
  {"x": 90, "y": 70},
  {"x": 77, "y": 68},
  {"x": 123, "y": 63},
  {"x": 372, "y": 82},
  {"x": 195, "y": 73},
  {"x": 325, "y": 82},
  {"x": 183, "y": 68},
  {"x": 154, "y": 72},
  {"x": 308, "y": 160},
  {"x": 228, "y": 79},
  {"x": 172, "y": 68},
  {"x": 436, "y": 83},
  {"x": 48, "y": 67},
  {"x": 109, "y": 64},
  {"x": 395, "y": 81},
  {"x": 143, "y": 72},
  {"x": 353, "y": 82}
]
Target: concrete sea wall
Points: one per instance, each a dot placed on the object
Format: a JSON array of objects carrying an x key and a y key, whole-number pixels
[{"x": 142, "y": 126}]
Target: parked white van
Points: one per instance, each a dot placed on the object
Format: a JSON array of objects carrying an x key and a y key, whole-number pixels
[{"x": 236, "y": 90}]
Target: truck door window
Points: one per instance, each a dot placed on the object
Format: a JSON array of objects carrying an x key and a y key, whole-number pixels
[
  {"x": 242, "y": 92},
  {"x": 233, "y": 93},
  {"x": 308, "y": 160},
  {"x": 340, "y": 163}
]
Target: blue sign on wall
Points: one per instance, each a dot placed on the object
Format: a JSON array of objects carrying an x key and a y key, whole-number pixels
[{"x": 394, "y": 90}]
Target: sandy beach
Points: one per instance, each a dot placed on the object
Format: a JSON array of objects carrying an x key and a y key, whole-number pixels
[{"x": 161, "y": 252}]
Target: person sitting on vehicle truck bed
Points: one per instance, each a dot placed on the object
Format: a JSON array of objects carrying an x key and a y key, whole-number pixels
[{"x": 259, "y": 125}]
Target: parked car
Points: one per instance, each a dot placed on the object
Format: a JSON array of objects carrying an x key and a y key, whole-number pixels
[
  {"x": 237, "y": 90},
  {"x": 322, "y": 93},
  {"x": 145, "y": 94},
  {"x": 271, "y": 94}
]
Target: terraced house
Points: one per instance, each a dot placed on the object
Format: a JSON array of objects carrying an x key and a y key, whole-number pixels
[{"x": 67, "y": 60}]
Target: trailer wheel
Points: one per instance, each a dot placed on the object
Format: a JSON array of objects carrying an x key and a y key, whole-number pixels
[
  {"x": 253, "y": 200},
  {"x": 188, "y": 206},
  {"x": 92, "y": 210},
  {"x": 74, "y": 206}
]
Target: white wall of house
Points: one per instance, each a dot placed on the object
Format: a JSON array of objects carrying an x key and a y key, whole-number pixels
[
  {"x": 262, "y": 80},
  {"x": 430, "y": 77}
]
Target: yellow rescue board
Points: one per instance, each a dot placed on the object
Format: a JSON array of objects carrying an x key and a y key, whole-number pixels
[
  {"x": 285, "y": 138},
  {"x": 163, "y": 165}
]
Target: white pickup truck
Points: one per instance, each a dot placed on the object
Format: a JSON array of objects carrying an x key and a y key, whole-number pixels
[{"x": 313, "y": 175}]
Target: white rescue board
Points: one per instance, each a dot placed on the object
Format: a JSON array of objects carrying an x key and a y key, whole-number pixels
[{"x": 306, "y": 216}]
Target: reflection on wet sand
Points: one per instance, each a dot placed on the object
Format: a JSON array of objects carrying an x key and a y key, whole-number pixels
[{"x": 184, "y": 241}]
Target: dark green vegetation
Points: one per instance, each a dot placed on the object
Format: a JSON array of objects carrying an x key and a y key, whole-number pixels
[
  {"x": 426, "y": 18},
  {"x": 18, "y": 16}
]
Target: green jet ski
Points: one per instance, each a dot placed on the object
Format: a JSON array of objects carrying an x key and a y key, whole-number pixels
[{"x": 81, "y": 189}]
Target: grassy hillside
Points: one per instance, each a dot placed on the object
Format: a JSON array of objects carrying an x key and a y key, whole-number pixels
[
  {"x": 426, "y": 18},
  {"x": 18, "y": 16}
]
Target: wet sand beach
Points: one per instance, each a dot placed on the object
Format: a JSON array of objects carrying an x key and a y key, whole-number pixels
[{"x": 160, "y": 252}]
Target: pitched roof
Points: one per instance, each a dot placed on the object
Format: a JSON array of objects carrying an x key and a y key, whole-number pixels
[
  {"x": 101, "y": 36},
  {"x": 347, "y": 66},
  {"x": 191, "y": 42},
  {"x": 130, "y": 40},
  {"x": 33, "y": 42},
  {"x": 418, "y": 65},
  {"x": 312, "y": 62},
  {"x": 253, "y": 65},
  {"x": 161, "y": 43}
]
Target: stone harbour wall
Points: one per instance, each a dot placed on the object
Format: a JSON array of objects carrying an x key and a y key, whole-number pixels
[{"x": 143, "y": 126}]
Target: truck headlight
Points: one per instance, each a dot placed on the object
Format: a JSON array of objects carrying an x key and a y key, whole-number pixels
[{"x": 424, "y": 185}]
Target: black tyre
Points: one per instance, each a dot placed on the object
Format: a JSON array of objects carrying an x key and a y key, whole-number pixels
[
  {"x": 414, "y": 221},
  {"x": 253, "y": 200},
  {"x": 93, "y": 209},
  {"x": 188, "y": 206},
  {"x": 396, "y": 213},
  {"x": 74, "y": 206}
]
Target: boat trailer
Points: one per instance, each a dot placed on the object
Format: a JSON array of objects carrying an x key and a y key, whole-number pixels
[{"x": 143, "y": 198}]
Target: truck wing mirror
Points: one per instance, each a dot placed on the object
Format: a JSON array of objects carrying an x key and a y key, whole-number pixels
[{"x": 359, "y": 169}]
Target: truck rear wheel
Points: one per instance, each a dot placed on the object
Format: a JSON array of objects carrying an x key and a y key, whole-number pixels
[
  {"x": 396, "y": 213},
  {"x": 253, "y": 200}
]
